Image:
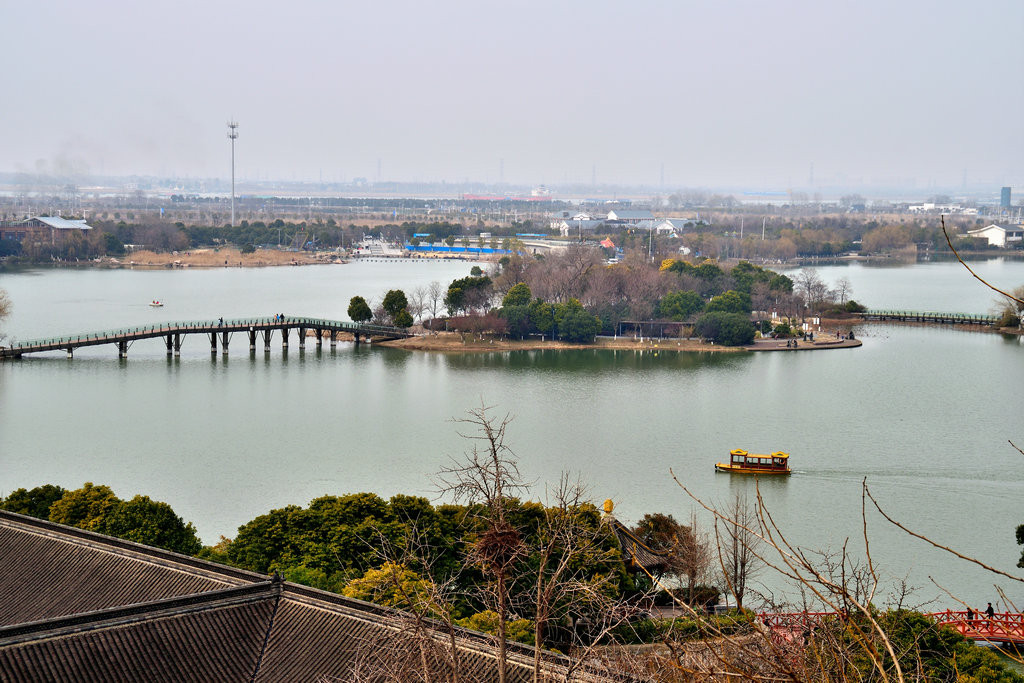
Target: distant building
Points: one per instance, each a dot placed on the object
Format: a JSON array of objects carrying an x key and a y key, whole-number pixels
[
  {"x": 42, "y": 229},
  {"x": 1004, "y": 198},
  {"x": 568, "y": 227},
  {"x": 630, "y": 217},
  {"x": 999, "y": 235}
]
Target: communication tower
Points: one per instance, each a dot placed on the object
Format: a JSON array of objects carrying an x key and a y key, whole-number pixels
[{"x": 233, "y": 135}]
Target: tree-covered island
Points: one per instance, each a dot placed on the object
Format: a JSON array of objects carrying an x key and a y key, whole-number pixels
[{"x": 573, "y": 295}]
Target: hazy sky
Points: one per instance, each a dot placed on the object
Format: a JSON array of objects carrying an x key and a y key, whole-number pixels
[{"x": 717, "y": 92}]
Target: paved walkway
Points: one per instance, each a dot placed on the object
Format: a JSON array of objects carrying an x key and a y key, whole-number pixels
[{"x": 820, "y": 342}]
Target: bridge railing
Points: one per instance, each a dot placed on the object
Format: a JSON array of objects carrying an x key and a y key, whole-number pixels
[
  {"x": 1005, "y": 627},
  {"x": 176, "y": 326},
  {"x": 936, "y": 315}
]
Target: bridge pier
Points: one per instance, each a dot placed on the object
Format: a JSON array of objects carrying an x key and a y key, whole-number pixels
[
  {"x": 319, "y": 338},
  {"x": 252, "y": 338},
  {"x": 71, "y": 352},
  {"x": 334, "y": 339},
  {"x": 213, "y": 342},
  {"x": 357, "y": 338},
  {"x": 302, "y": 337},
  {"x": 266, "y": 340},
  {"x": 122, "y": 349},
  {"x": 224, "y": 342},
  {"x": 284, "y": 338},
  {"x": 173, "y": 342}
]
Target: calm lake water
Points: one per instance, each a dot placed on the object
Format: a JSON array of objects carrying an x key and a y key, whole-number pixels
[{"x": 923, "y": 413}]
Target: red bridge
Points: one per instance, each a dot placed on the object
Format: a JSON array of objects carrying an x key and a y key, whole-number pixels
[{"x": 1006, "y": 627}]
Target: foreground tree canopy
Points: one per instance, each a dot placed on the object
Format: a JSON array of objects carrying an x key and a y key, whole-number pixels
[{"x": 96, "y": 508}]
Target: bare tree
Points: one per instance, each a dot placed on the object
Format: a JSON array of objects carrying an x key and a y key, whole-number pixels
[
  {"x": 843, "y": 290},
  {"x": 418, "y": 302},
  {"x": 694, "y": 557},
  {"x": 510, "y": 274},
  {"x": 737, "y": 545},
  {"x": 428, "y": 603},
  {"x": 570, "y": 544},
  {"x": 434, "y": 297},
  {"x": 5, "y": 310},
  {"x": 811, "y": 289},
  {"x": 488, "y": 476},
  {"x": 643, "y": 286}
]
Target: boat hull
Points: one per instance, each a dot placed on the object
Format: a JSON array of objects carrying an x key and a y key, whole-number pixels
[{"x": 733, "y": 469}]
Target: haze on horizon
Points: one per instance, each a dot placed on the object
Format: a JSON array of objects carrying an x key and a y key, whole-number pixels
[{"x": 915, "y": 93}]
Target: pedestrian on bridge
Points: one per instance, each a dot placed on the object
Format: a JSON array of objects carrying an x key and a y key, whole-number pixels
[
  {"x": 989, "y": 612},
  {"x": 970, "y": 617}
]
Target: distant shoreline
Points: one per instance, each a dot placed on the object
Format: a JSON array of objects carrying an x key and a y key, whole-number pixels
[{"x": 453, "y": 342}]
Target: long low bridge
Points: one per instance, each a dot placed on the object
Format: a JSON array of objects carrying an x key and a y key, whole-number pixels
[
  {"x": 932, "y": 317},
  {"x": 218, "y": 331},
  {"x": 1004, "y": 627}
]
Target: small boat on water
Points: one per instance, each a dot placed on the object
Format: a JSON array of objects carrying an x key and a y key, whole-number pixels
[
  {"x": 156, "y": 303},
  {"x": 741, "y": 462}
]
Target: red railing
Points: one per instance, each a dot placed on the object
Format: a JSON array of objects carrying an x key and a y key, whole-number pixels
[{"x": 1005, "y": 627}]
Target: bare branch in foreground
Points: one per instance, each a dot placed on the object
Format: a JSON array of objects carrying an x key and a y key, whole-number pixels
[
  {"x": 969, "y": 270},
  {"x": 938, "y": 545}
]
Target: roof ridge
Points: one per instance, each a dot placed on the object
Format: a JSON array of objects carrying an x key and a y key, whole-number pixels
[
  {"x": 113, "y": 616},
  {"x": 137, "y": 551}
]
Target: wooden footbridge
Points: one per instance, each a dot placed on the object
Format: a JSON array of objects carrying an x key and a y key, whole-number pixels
[
  {"x": 932, "y": 317},
  {"x": 217, "y": 331},
  {"x": 1005, "y": 627}
]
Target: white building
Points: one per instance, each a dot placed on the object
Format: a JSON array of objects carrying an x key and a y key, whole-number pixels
[
  {"x": 568, "y": 227},
  {"x": 634, "y": 217},
  {"x": 999, "y": 235}
]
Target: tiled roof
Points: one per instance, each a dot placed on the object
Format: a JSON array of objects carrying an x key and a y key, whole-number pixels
[
  {"x": 186, "y": 639},
  {"x": 47, "y": 573},
  {"x": 86, "y": 607},
  {"x": 635, "y": 551}
]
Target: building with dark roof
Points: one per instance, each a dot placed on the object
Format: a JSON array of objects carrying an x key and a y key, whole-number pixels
[
  {"x": 42, "y": 229},
  {"x": 1000, "y": 235},
  {"x": 637, "y": 555},
  {"x": 86, "y": 607}
]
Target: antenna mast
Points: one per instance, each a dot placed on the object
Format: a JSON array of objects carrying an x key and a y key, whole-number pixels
[{"x": 233, "y": 135}]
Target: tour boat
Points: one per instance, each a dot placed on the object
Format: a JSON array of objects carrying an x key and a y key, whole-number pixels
[
  {"x": 741, "y": 462},
  {"x": 156, "y": 303}
]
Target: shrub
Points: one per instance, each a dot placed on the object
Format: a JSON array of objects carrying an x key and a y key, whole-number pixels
[
  {"x": 680, "y": 305},
  {"x": 728, "y": 329},
  {"x": 691, "y": 628},
  {"x": 520, "y": 630},
  {"x": 579, "y": 327},
  {"x": 1008, "y": 319}
]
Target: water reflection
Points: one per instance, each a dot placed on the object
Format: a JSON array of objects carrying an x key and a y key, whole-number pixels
[{"x": 596, "y": 361}]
